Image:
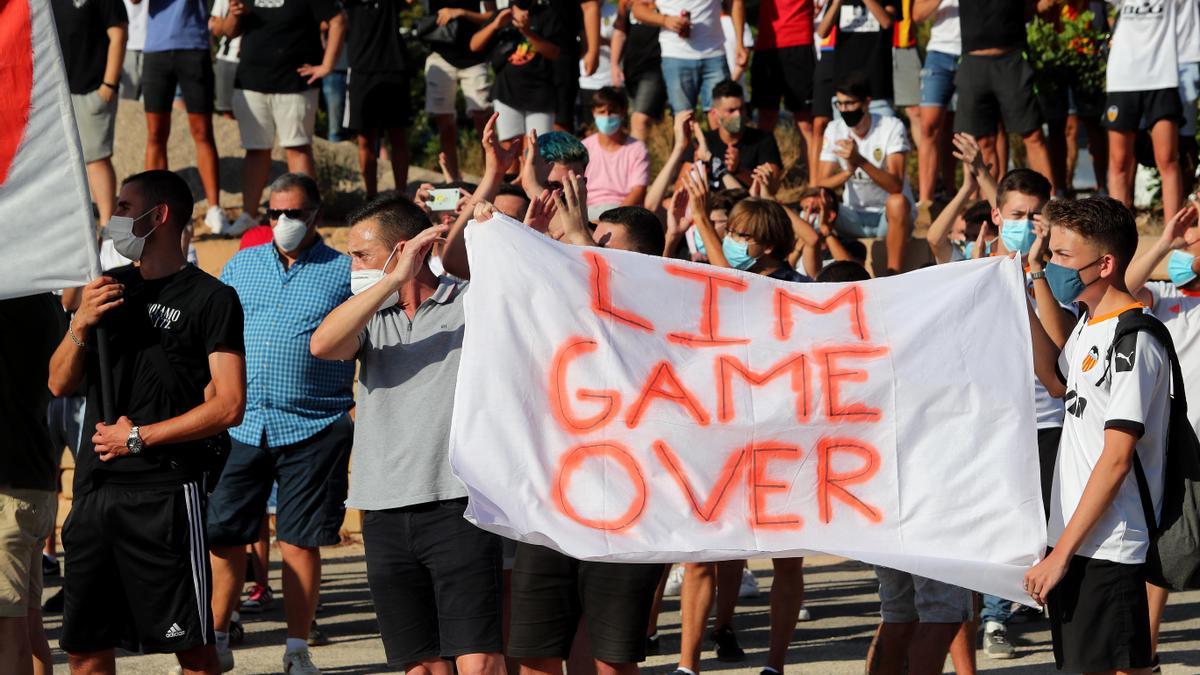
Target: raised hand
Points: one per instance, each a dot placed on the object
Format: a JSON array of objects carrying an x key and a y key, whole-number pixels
[
  {"x": 966, "y": 150},
  {"x": 410, "y": 255},
  {"x": 541, "y": 211}
]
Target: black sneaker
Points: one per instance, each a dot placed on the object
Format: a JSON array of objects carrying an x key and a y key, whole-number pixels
[
  {"x": 53, "y": 604},
  {"x": 50, "y": 567},
  {"x": 316, "y": 636},
  {"x": 652, "y": 645},
  {"x": 728, "y": 649},
  {"x": 1154, "y": 665}
]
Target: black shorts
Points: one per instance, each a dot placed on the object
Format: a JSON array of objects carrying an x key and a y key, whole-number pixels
[
  {"x": 1047, "y": 457},
  {"x": 822, "y": 101},
  {"x": 312, "y": 477},
  {"x": 435, "y": 582},
  {"x": 191, "y": 69},
  {"x": 137, "y": 574},
  {"x": 785, "y": 73},
  {"x": 647, "y": 91},
  {"x": 566, "y": 85},
  {"x": 377, "y": 101},
  {"x": 1099, "y": 617},
  {"x": 551, "y": 591},
  {"x": 1137, "y": 110},
  {"x": 991, "y": 88}
]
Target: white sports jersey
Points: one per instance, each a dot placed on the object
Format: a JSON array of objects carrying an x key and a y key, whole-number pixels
[
  {"x": 886, "y": 136},
  {"x": 1144, "y": 56},
  {"x": 1129, "y": 389},
  {"x": 1179, "y": 310}
]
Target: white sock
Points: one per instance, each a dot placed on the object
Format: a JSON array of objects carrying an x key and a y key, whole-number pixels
[
  {"x": 294, "y": 644},
  {"x": 222, "y": 641},
  {"x": 992, "y": 626},
  {"x": 689, "y": 671}
]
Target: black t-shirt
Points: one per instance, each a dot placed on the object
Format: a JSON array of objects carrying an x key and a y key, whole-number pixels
[
  {"x": 83, "y": 35},
  {"x": 373, "y": 40},
  {"x": 642, "y": 51},
  {"x": 33, "y": 326},
  {"x": 176, "y": 321},
  {"x": 278, "y": 37},
  {"x": 525, "y": 78},
  {"x": 990, "y": 24},
  {"x": 864, "y": 47},
  {"x": 566, "y": 33},
  {"x": 459, "y": 54},
  {"x": 755, "y": 147}
]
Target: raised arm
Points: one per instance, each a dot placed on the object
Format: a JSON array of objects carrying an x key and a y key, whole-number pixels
[
  {"x": 670, "y": 168},
  {"x": 98, "y": 297},
  {"x": 495, "y": 159},
  {"x": 1175, "y": 236},
  {"x": 696, "y": 185},
  {"x": 1054, "y": 319},
  {"x": 966, "y": 150},
  {"x": 938, "y": 236}
]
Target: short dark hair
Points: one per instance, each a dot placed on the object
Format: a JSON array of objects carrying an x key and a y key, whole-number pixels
[
  {"x": 1024, "y": 181},
  {"x": 612, "y": 98},
  {"x": 642, "y": 227},
  {"x": 302, "y": 182},
  {"x": 854, "y": 84},
  {"x": 398, "y": 217},
  {"x": 727, "y": 89},
  {"x": 725, "y": 200},
  {"x": 159, "y": 186},
  {"x": 840, "y": 271},
  {"x": 1103, "y": 221},
  {"x": 854, "y": 247}
]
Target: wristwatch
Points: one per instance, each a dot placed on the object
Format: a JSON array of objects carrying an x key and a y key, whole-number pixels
[
  {"x": 1040, "y": 274},
  {"x": 135, "y": 442}
]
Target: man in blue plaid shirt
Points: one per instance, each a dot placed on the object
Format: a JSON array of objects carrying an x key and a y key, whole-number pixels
[{"x": 297, "y": 429}]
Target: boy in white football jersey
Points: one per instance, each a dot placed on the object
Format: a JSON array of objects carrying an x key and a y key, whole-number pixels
[{"x": 1118, "y": 404}]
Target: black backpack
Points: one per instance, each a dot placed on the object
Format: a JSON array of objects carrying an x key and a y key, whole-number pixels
[{"x": 1173, "y": 561}]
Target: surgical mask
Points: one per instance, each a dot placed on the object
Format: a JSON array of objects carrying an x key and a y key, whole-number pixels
[
  {"x": 738, "y": 254},
  {"x": 289, "y": 232},
  {"x": 732, "y": 124},
  {"x": 128, "y": 244},
  {"x": 852, "y": 117},
  {"x": 1179, "y": 268},
  {"x": 1065, "y": 282},
  {"x": 968, "y": 248},
  {"x": 361, "y": 280},
  {"x": 1017, "y": 235},
  {"x": 608, "y": 124}
]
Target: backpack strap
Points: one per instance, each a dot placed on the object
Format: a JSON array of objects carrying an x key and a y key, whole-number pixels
[{"x": 1135, "y": 321}]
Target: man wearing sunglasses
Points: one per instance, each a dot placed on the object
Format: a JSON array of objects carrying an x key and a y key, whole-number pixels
[{"x": 297, "y": 430}]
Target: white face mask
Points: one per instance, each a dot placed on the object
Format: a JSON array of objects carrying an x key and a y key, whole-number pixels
[
  {"x": 289, "y": 232},
  {"x": 128, "y": 244},
  {"x": 361, "y": 280}
]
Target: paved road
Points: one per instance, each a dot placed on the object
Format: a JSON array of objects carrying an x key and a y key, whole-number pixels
[{"x": 841, "y": 597}]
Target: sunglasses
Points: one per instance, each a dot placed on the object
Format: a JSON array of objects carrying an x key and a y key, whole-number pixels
[{"x": 298, "y": 214}]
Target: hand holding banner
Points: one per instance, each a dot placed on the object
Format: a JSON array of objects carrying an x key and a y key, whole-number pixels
[{"x": 619, "y": 406}]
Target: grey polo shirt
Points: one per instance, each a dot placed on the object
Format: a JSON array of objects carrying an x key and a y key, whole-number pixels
[{"x": 405, "y": 399}]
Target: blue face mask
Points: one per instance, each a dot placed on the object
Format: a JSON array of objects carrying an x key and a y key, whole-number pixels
[
  {"x": 1017, "y": 235},
  {"x": 699, "y": 243},
  {"x": 968, "y": 249},
  {"x": 607, "y": 124},
  {"x": 1179, "y": 268},
  {"x": 1065, "y": 283},
  {"x": 738, "y": 254}
]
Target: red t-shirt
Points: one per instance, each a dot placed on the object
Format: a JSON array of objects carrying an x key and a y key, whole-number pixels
[
  {"x": 259, "y": 234},
  {"x": 784, "y": 23}
]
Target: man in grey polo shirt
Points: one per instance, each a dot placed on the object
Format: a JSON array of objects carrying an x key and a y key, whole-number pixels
[{"x": 434, "y": 577}]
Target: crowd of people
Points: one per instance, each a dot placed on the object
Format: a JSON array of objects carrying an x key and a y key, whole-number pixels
[{"x": 223, "y": 400}]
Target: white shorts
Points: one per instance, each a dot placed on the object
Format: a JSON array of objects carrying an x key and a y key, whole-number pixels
[
  {"x": 442, "y": 81},
  {"x": 512, "y": 122},
  {"x": 260, "y": 116}
]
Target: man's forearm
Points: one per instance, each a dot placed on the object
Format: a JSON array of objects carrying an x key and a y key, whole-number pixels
[
  {"x": 333, "y": 45},
  {"x": 833, "y": 179},
  {"x": 117, "y": 36},
  {"x": 205, "y": 420},
  {"x": 737, "y": 13},
  {"x": 543, "y": 46},
  {"x": 881, "y": 15},
  {"x": 1102, "y": 486},
  {"x": 66, "y": 367},
  {"x": 231, "y": 26},
  {"x": 479, "y": 18},
  {"x": 591, "y": 25},
  {"x": 658, "y": 189},
  {"x": 1143, "y": 265},
  {"x": 1045, "y": 356},
  {"x": 884, "y": 179}
]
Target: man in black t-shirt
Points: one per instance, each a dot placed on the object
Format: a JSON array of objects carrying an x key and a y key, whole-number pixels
[
  {"x": 92, "y": 34},
  {"x": 734, "y": 149},
  {"x": 864, "y": 45},
  {"x": 377, "y": 91},
  {"x": 137, "y": 576},
  {"x": 275, "y": 89},
  {"x": 523, "y": 55},
  {"x": 994, "y": 82}
]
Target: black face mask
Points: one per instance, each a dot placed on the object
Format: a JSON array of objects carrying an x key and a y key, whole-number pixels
[{"x": 852, "y": 117}]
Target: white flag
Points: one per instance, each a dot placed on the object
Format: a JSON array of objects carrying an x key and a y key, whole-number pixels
[
  {"x": 47, "y": 232},
  {"x": 618, "y": 406}
]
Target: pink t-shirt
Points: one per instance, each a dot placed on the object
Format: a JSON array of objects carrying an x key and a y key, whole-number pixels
[{"x": 611, "y": 176}]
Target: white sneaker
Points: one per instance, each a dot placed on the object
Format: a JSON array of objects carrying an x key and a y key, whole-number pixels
[
  {"x": 238, "y": 227},
  {"x": 216, "y": 220},
  {"x": 749, "y": 587},
  {"x": 804, "y": 614},
  {"x": 299, "y": 662},
  {"x": 674, "y": 582},
  {"x": 225, "y": 658}
]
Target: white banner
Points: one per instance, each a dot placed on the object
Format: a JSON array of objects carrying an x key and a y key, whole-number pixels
[
  {"x": 617, "y": 406},
  {"x": 47, "y": 233}
]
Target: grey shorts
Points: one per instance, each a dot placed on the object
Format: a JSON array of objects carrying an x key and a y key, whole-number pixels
[
  {"x": 131, "y": 75},
  {"x": 905, "y": 598},
  {"x": 96, "y": 121},
  {"x": 906, "y": 76},
  {"x": 223, "y": 72}
]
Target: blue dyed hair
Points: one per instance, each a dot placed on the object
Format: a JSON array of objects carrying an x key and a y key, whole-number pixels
[{"x": 561, "y": 147}]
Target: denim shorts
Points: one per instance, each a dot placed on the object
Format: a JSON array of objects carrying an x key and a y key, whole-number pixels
[
  {"x": 905, "y": 598},
  {"x": 1189, "y": 92},
  {"x": 855, "y": 223},
  {"x": 937, "y": 80},
  {"x": 692, "y": 80}
]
